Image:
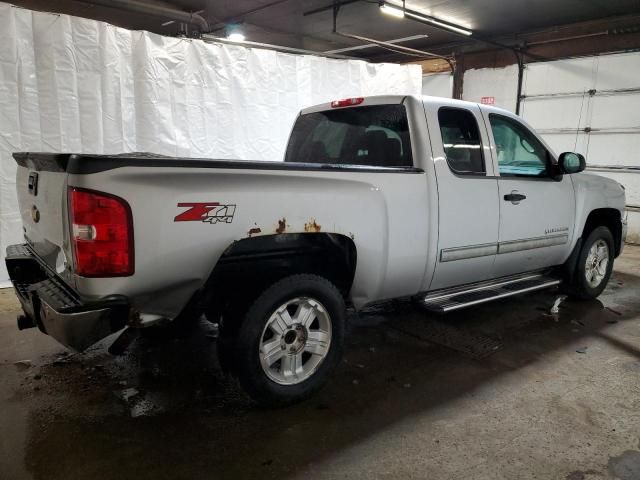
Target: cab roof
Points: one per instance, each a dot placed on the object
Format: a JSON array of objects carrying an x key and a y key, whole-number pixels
[{"x": 393, "y": 99}]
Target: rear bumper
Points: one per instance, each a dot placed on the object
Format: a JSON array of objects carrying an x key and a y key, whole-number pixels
[{"x": 56, "y": 308}]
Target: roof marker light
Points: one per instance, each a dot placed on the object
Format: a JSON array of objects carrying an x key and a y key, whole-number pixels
[{"x": 347, "y": 102}]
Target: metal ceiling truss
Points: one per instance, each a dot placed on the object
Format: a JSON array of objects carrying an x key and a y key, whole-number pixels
[
  {"x": 337, "y": 4},
  {"x": 399, "y": 48}
]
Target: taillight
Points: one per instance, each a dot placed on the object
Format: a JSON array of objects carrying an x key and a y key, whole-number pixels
[
  {"x": 347, "y": 102},
  {"x": 101, "y": 234}
]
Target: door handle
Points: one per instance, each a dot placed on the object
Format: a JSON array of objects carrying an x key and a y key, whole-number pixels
[{"x": 514, "y": 197}]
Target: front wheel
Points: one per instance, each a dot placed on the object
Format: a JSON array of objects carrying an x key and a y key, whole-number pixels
[
  {"x": 290, "y": 339},
  {"x": 595, "y": 264}
]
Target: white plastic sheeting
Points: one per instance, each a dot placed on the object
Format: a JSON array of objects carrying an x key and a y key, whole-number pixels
[
  {"x": 438, "y": 85},
  {"x": 499, "y": 83},
  {"x": 75, "y": 85}
]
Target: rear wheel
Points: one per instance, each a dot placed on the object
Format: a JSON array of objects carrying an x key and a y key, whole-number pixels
[
  {"x": 290, "y": 339},
  {"x": 595, "y": 264}
]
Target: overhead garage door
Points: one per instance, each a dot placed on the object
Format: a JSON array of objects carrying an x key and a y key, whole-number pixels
[{"x": 591, "y": 105}]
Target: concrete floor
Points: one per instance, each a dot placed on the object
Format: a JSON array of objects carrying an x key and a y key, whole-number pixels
[{"x": 398, "y": 407}]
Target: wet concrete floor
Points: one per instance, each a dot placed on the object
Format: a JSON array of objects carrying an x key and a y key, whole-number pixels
[{"x": 544, "y": 395}]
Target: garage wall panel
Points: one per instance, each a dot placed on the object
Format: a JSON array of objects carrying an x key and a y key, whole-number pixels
[
  {"x": 588, "y": 105},
  {"x": 500, "y": 83},
  {"x": 75, "y": 85},
  {"x": 573, "y": 75},
  {"x": 560, "y": 120},
  {"x": 618, "y": 71},
  {"x": 607, "y": 88},
  {"x": 550, "y": 113},
  {"x": 617, "y": 112},
  {"x": 613, "y": 150},
  {"x": 438, "y": 85}
]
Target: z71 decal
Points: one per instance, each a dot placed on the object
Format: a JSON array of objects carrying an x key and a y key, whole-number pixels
[{"x": 211, "y": 212}]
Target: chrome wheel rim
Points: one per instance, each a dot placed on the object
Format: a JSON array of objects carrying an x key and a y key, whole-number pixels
[
  {"x": 597, "y": 263},
  {"x": 295, "y": 341}
]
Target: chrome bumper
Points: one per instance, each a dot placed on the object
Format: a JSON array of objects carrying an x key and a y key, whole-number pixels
[{"x": 56, "y": 309}]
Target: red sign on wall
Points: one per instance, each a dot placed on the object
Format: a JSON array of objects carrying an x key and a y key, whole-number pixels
[{"x": 488, "y": 100}]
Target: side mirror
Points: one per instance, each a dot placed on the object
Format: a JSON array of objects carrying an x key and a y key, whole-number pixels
[{"x": 570, "y": 162}]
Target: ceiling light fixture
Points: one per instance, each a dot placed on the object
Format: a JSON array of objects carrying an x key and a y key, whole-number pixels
[
  {"x": 234, "y": 34},
  {"x": 400, "y": 12},
  {"x": 392, "y": 10},
  {"x": 438, "y": 23},
  {"x": 236, "y": 37}
]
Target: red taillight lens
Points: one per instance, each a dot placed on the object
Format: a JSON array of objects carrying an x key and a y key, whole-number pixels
[
  {"x": 101, "y": 234},
  {"x": 347, "y": 102}
]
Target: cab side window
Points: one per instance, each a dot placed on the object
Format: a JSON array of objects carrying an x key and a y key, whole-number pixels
[
  {"x": 461, "y": 140},
  {"x": 519, "y": 152}
]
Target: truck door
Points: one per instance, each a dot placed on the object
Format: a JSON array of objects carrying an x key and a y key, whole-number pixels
[
  {"x": 467, "y": 194},
  {"x": 536, "y": 210}
]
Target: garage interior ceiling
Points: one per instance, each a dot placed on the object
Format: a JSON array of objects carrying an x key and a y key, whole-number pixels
[{"x": 308, "y": 24}]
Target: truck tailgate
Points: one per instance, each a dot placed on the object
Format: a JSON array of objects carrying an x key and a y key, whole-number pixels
[{"x": 41, "y": 186}]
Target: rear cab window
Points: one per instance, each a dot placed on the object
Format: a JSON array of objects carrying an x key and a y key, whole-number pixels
[{"x": 374, "y": 136}]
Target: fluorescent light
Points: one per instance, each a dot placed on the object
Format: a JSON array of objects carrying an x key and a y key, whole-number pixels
[
  {"x": 392, "y": 10},
  {"x": 401, "y": 12},
  {"x": 234, "y": 32},
  {"x": 433, "y": 21},
  {"x": 235, "y": 37}
]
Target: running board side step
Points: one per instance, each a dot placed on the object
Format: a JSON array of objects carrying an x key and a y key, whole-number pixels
[{"x": 451, "y": 299}]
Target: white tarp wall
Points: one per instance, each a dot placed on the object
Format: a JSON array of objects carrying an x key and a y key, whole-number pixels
[
  {"x": 499, "y": 83},
  {"x": 75, "y": 85},
  {"x": 565, "y": 97}
]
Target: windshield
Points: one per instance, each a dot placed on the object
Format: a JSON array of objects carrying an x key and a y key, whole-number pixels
[{"x": 376, "y": 136}]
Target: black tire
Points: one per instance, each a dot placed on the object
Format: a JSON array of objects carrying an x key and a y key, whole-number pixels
[
  {"x": 580, "y": 288},
  {"x": 250, "y": 372}
]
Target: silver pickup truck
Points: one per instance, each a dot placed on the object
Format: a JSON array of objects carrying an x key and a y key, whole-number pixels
[{"x": 446, "y": 202}]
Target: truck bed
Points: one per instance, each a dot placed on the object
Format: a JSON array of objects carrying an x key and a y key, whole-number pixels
[{"x": 176, "y": 247}]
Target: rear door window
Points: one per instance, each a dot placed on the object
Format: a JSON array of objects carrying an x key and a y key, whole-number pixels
[
  {"x": 461, "y": 141},
  {"x": 375, "y": 136}
]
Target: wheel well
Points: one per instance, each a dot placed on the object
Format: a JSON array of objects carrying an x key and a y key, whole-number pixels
[
  {"x": 250, "y": 265},
  {"x": 607, "y": 217}
]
